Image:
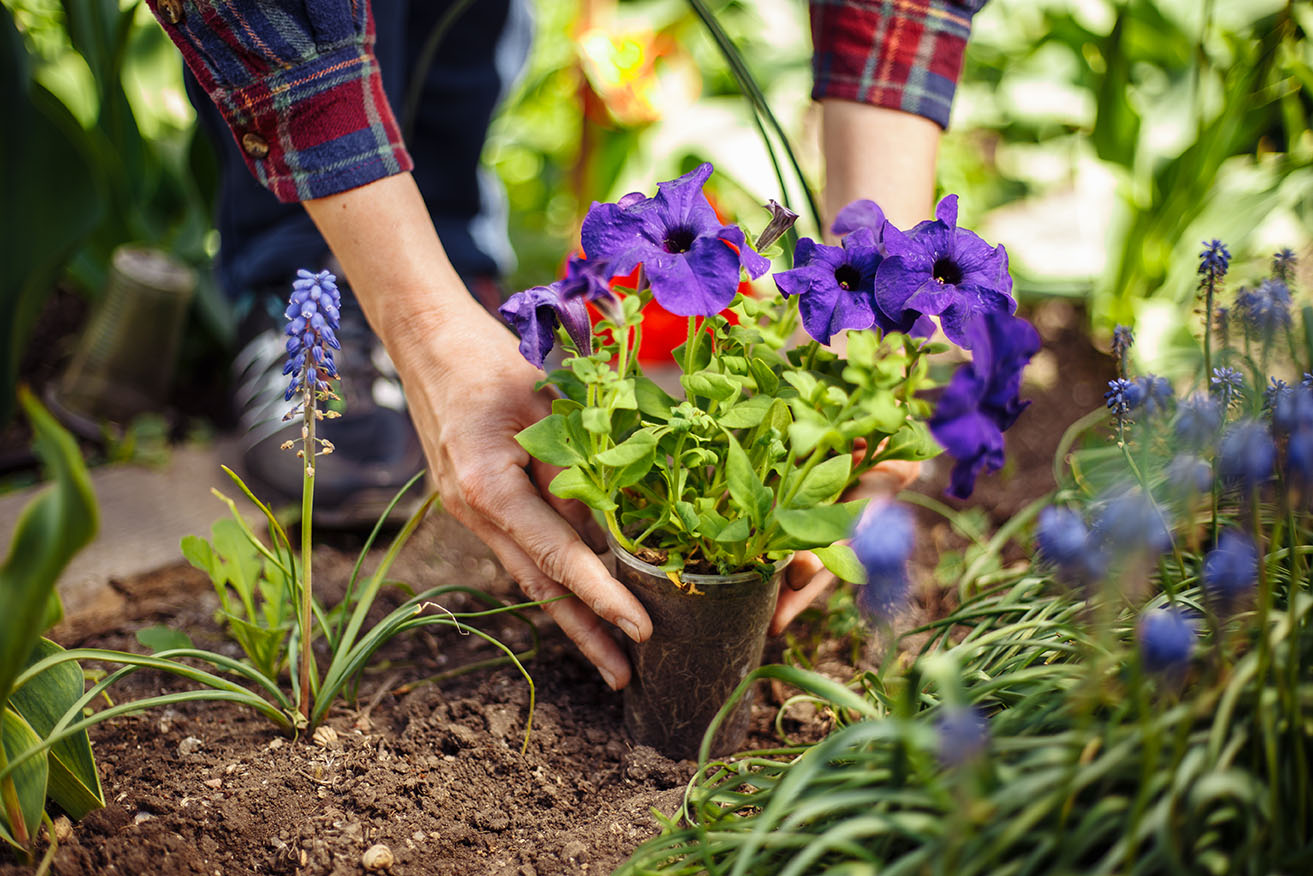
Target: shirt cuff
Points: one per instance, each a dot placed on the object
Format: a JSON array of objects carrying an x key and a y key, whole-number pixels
[{"x": 901, "y": 54}]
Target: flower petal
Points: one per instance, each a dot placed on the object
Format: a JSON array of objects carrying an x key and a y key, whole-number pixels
[
  {"x": 863, "y": 213},
  {"x": 700, "y": 282},
  {"x": 754, "y": 264}
]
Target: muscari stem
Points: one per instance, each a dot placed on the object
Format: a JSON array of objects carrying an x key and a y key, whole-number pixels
[{"x": 307, "y": 507}]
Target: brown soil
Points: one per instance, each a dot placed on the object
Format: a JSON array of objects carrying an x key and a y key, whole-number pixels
[{"x": 434, "y": 770}]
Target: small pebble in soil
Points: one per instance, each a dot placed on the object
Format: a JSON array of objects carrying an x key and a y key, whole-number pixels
[
  {"x": 275, "y": 743},
  {"x": 574, "y": 851},
  {"x": 216, "y": 784},
  {"x": 190, "y": 745},
  {"x": 63, "y": 828},
  {"x": 377, "y": 857},
  {"x": 325, "y": 737},
  {"x": 142, "y": 817}
]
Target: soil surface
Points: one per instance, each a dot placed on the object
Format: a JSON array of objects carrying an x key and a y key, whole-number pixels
[{"x": 428, "y": 759}]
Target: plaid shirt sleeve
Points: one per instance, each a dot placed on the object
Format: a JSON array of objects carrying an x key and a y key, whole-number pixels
[
  {"x": 901, "y": 54},
  {"x": 299, "y": 86}
]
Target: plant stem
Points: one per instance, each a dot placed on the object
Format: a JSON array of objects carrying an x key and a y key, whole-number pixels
[
  {"x": 10, "y": 794},
  {"x": 307, "y": 508}
]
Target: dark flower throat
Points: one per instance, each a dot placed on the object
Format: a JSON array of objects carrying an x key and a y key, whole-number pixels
[
  {"x": 679, "y": 240},
  {"x": 946, "y": 271},
  {"x": 847, "y": 277}
]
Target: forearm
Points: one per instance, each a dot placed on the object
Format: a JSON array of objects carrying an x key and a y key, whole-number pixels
[{"x": 883, "y": 154}]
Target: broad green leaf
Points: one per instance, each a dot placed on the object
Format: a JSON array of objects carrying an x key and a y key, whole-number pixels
[
  {"x": 549, "y": 440},
  {"x": 711, "y": 523},
  {"x": 198, "y": 552},
  {"x": 688, "y": 516},
  {"x": 804, "y": 435},
  {"x": 912, "y": 441},
  {"x": 239, "y": 556},
  {"x": 652, "y": 400},
  {"x": 745, "y": 488},
  {"x": 74, "y": 782},
  {"x": 767, "y": 381},
  {"x": 820, "y": 526},
  {"x": 737, "y": 530},
  {"x": 596, "y": 420},
  {"x": 779, "y": 417},
  {"x": 806, "y": 384},
  {"x": 626, "y": 398},
  {"x": 710, "y": 385},
  {"x": 840, "y": 559},
  {"x": 162, "y": 638},
  {"x": 823, "y": 483},
  {"x": 30, "y": 777},
  {"x": 264, "y": 645},
  {"x": 50, "y": 530},
  {"x": 634, "y": 448},
  {"x": 574, "y": 483},
  {"x": 747, "y": 413}
]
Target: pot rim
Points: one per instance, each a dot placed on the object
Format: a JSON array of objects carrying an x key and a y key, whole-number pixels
[{"x": 624, "y": 556}]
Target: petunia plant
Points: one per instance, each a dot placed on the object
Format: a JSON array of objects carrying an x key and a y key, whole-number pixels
[{"x": 751, "y": 455}]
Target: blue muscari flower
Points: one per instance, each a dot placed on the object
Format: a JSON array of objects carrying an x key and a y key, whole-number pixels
[
  {"x": 1064, "y": 541},
  {"x": 1246, "y": 455},
  {"x": 1132, "y": 521},
  {"x": 1197, "y": 420},
  {"x": 1166, "y": 639},
  {"x": 1299, "y": 458},
  {"x": 1228, "y": 384},
  {"x": 1276, "y": 390},
  {"x": 1188, "y": 475},
  {"x": 1307, "y": 381},
  {"x": 1215, "y": 259},
  {"x": 1223, "y": 321},
  {"x": 1122, "y": 340},
  {"x": 313, "y": 314},
  {"x": 1291, "y": 407},
  {"x": 882, "y": 541},
  {"x": 1155, "y": 395},
  {"x": 1266, "y": 309},
  {"x": 1123, "y": 396},
  {"x": 1283, "y": 264},
  {"x": 963, "y": 734},
  {"x": 1230, "y": 569}
]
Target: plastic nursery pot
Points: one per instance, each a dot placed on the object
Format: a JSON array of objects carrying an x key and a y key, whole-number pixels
[{"x": 705, "y": 640}]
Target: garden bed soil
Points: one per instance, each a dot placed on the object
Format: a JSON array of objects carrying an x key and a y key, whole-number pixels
[{"x": 434, "y": 769}]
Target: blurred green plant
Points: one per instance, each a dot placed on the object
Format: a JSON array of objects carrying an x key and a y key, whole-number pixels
[{"x": 51, "y": 529}]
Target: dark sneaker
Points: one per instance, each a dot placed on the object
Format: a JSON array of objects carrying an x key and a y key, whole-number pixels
[{"x": 376, "y": 449}]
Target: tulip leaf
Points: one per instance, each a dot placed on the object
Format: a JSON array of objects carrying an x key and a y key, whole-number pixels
[
  {"x": 29, "y": 778},
  {"x": 74, "y": 783},
  {"x": 549, "y": 440}
]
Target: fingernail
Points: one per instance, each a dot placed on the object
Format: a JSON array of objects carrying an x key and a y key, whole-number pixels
[
  {"x": 608, "y": 678},
  {"x": 630, "y": 628}
]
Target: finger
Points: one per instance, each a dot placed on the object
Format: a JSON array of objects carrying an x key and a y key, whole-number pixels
[
  {"x": 576, "y": 513},
  {"x": 510, "y": 502},
  {"x": 886, "y": 479},
  {"x": 579, "y": 623},
  {"x": 791, "y": 602},
  {"x": 804, "y": 567}
]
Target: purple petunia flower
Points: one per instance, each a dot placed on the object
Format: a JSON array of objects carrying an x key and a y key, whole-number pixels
[
  {"x": 684, "y": 249},
  {"x": 938, "y": 269},
  {"x": 982, "y": 400},
  {"x": 860, "y": 214},
  {"x": 535, "y": 313},
  {"x": 312, "y": 312},
  {"x": 835, "y": 284}
]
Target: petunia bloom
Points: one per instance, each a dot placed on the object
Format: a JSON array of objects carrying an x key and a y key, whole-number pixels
[
  {"x": 835, "y": 284},
  {"x": 535, "y": 313},
  {"x": 939, "y": 269},
  {"x": 691, "y": 260},
  {"x": 863, "y": 213},
  {"x": 982, "y": 400}
]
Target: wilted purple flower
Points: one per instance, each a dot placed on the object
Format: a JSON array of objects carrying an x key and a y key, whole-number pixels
[
  {"x": 1166, "y": 638},
  {"x": 1283, "y": 264},
  {"x": 938, "y": 269},
  {"x": 781, "y": 220},
  {"x": 1122, "y": 340},
  {"x": 1064, "y": 541},
  {"x": 982, "y": 400},
  {"x": 1197, "y": 420},
  {"x": 535, "y": 313},
  {"x": 963, "y": 734},
  {"x": 1132, "y": 521},
  {"x": 1228, "y": 384},
  {"x": 1155, "y": 395},
  {"x": 313, "y": 312},
  {"x": 882, "y": 541},
  {"x": 684, "y": 249},
  {"x": 1230, "y": 569},
  {"x": 835, "y": 285},
  {"x": 1215, "y": 259},
  {"x": 1266, "y": 309},
  {"x": 860, "y": 214},
  {"x": 1246, "y": 455}
]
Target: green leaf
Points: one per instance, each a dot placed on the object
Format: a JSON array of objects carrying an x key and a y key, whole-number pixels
[
  {"x": 823, "y": 483},
  {"x": 574, "y": 483},
  {"x": 806, "y": 384},
  {"x": 30, "y": 777},
  {"x": 767, "y": 381},
  {"x": 912, "y": 441},
  {"x": 737, "y": 530},
  {"x": 549, "y": 440},
  {"x": 688, "y": 516},
  {"x": 820, "y": 526},
  {"x": 634, "y": 448},
  {"x": 50, "y": 530},
  {"x": 710, "y": 385},
  {"x": 745, "y": 488},
  {"x": 162, "y": 638},
  {"x": 626, "y": 396},
  {"x": 74, "y": 782},
  {"x": 652, "y": 400},
  {"x": 596, "y": 420},
  {"x": 840, "y": 559},
  {"x": 747, "y": 413},
  {"x": 804, "y": 435}
]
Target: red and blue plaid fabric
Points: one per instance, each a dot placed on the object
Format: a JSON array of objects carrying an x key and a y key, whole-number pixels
[
  {"x": 299, "y": 86},
  {"x": 901, "y": 54}
]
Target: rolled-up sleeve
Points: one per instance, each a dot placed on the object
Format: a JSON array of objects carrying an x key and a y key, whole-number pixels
[
  {"x": 900, "y": 54},
  {"x": 298, "y": 84}
]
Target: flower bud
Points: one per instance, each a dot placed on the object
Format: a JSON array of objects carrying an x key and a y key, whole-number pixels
[{"x": 781, "y": 220}]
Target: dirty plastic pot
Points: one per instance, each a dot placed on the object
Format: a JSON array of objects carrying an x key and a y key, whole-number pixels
[{"x": 702, "y": 645}]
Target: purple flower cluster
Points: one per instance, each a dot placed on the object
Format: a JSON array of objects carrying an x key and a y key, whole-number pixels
[
  {"x": 313, "y": 314},
  {"x": 1166, "y": 638},
  {"x": 882, "y": 541}
]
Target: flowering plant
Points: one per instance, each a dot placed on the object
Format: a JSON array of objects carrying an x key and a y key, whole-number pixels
[{"x": 755, "y": 459}]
